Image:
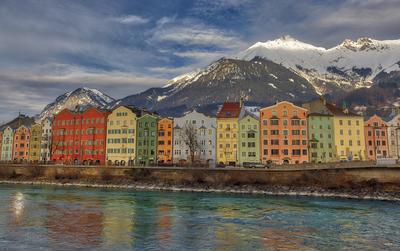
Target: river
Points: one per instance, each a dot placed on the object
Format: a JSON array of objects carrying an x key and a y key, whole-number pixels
[{"x": 49, "y": 218}]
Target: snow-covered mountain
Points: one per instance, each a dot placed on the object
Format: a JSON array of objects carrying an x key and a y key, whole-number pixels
[
  {"x": 258, "y": 81},
  {"x": 349, "y": 65},
  {"x": 80, "y": 97}
]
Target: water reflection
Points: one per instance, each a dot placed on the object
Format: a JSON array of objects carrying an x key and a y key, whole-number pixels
[
  {"x": 68, "y": 219},
  {"x": 118, "y": 223},
  {"x": 164, "y": 225},
  {"x": 18, "y": 205},
  {"x": 74, "y": 226}
]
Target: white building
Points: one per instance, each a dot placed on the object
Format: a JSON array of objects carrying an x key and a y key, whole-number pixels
[
  {"x": 205, "y": 130},
  {"x": 45, "y": 148},
  {"x": 7, "y": 144},
  {"x": 394, "y": 137}
]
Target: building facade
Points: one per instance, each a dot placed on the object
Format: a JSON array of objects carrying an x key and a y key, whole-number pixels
[
  {"x": 227, "y": 132},
  {"x": 394, "y": 137},
  {"x": 7, "y": 144},
  {"x": 321, "y": 138},
  {"x": 35, "y": 143},
  {"x": 284, "y": 137},
  {"x": 203, "y": 129},
  {"x": 348, "y": 130},
  {"x": 349, "y": 136},
  {"x": 1, "y": 143},
  {"x": 79, "y": 137},
  {"x": 249, "y": 139},
  {"x": 66, "y": 137},
  {"x": 45, "y": 148},
  {"x": 121, "y": 136},
  {"x": 94, "y": 132},
  {"x": 164, "y": 141},
  {"x": 21, "y": 144},
  {"x": 146, "y": 140},
  {"x": 376, "y": 138}
]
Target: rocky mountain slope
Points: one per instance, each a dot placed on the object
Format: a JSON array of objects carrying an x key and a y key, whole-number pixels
[
  {"x": 258, "y": 81},
  {"x": 80, "y": 97},
  {"x": 347, "y": 66}
]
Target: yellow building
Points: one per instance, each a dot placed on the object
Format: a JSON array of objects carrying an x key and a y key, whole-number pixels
[
  {"x": 35, "y": 143},
  {"x": 227, "y": 132},
  {"x": 348, "y": 131},
  {"x": 121, "y": 136}
]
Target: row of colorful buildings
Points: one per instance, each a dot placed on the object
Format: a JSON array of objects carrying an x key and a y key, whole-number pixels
[{"x": 282, "y": 133}]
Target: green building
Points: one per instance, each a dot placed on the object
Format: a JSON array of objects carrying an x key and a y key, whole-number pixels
[
  {"x": 321, "y": 138},
  {"x": 249, "y": 139},
  {"x": 320, "y": 131},
  {"x": 146, "y": 140}
]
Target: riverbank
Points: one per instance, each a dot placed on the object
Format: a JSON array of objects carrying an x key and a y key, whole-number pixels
[
  {"x": 360, "y": 193},
  {"x": 334, "y": 180}
]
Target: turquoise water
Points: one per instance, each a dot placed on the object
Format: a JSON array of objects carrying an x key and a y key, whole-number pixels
[{"x": 51, "y": 218}]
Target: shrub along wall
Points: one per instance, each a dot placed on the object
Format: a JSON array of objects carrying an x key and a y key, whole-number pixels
[{"x": 323, "y": 178}]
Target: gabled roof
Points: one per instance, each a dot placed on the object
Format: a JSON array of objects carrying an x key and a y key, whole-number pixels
[
  {"x": 250, "y": 114},
  {"x": 19, "y": 121},
  {"x": 133, "y": 109},
  {"x": 229, "y": 110},
  {"x": 338, "y": 111},
  {"x": 282, "y": 103}
]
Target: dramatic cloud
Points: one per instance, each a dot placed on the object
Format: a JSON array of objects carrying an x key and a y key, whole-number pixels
[
  {"x": 121, "y": 47},
  {"x": 132, "y": 19}
]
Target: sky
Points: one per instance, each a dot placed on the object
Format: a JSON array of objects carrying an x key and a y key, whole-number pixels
[{"x": 121, "y": 47}]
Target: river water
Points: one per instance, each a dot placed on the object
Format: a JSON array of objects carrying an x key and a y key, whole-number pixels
[{"x": 56, "y": 218}]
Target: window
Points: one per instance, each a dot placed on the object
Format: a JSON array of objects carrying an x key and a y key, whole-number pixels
[
  {"x": 274, "y": 151},
  {"x": 274, "y": 132},
  {"x": 296, "y": 152},
  {"x": 274, "y": 142},
  {"x": 274, "y": 122},
  {"x": 295, "y": 132},
  {"x": 295, "y": 122}
]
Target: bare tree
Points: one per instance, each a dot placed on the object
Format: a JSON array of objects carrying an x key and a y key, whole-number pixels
[{"x": 190, "y": 139}]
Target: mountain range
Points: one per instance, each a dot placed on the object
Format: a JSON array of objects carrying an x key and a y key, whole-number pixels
[{"x": 363, "y": 74}]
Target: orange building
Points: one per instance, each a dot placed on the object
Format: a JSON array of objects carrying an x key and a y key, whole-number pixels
[
  {"x": 376, "y": 138},
  {"x": 284, "y": 138},
  {"x": 21, "y": 144},
  {"x": 164, "y": 145}
]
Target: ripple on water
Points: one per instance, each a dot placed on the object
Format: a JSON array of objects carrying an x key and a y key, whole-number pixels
[{"x": 71, "y": 218}]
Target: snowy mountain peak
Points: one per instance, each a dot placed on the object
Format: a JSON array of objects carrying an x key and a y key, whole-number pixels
[
  {"x": 363, "y": 44},
  {"x": 348, "y": 66},
  {"x": 80, "y": 97},
  {"x": 285, "y": 42}
]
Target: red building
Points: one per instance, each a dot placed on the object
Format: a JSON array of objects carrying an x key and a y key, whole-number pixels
[
  {"x": 376, "y": 138},
  {"x": 79, "y": 136}
]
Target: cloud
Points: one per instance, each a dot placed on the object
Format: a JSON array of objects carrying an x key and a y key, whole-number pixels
[
  {"x": 192, "y": 33},
  {"x": 132, "y": 20},
  {"x": 29, "y": 90},
  {"x": 171, "y": 70}
]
